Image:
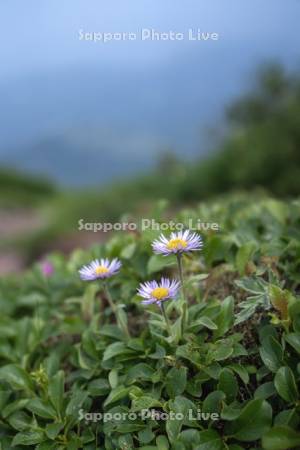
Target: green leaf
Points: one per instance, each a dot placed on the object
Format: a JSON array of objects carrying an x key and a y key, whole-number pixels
[
  {"x": 285, "y": 385},
  {"x": 241, "y": 371},
  {"x": 244, "y": 255},
  {"x": 156, "y": 263},
  {"x": 125, "y": 442},
  {"x": 294, "y": 340},
  {"x": 140, "y": 371},
  {"x": 248, "y": 309},
  {"x": 48, "y": 445},
  {"x": 176, "y": 330},
  {"x": 230, "y": 412},
  {"x": 98, "y": 387},
  {"x": 113, "y": 378},
  {"x": 265, "y": 390},
  {"x": 252, "y": 423},
  {"x": 271, "y": 353},
  {"x": 209, "y": 440},
  {"x": 225, "y": 318},
  {"x": 88, "y": 300},
  {"x": 41, "y": 408},
  {"x": 128, "y": 251},
  {"x": 190, "y": 437},
  {"x": 117, "y": 394},
  {"x": 206, "y": 322},
  {"x": 16, "y": 377},
  {"x": 180, "y": 405},
  {"x": 115, "y": 349},
  {"x": 288, "y": 417},
  {"x": 176, "y": 381},
  {"x": 223, "y": 351},
  {"x": 162, "y": 443},
  {"x": 74, "y": 444},
  {"x": 228, "y": 384},
  {"x": 56, "y": 390},
  {"x": 14, "y": 406},
  {"x": 145, "y": 402},
  {"x": 20, "y": 421},
  {"x": 159, "y": 353},
  {"x": 148, "y": 447},
  {"x": 53, "y": 429},
  {"x": 145, "y": 436},
  {"x": 28, "y": 438},
  {"x": 213, "y": 402},
  {"x": 111, "y": 331},
  {"x": 77, "y": 400},
  {"x": 281, "y": 438},
  {"x": 234, "y": 447}
]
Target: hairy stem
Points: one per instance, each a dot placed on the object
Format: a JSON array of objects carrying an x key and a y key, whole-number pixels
[
  {"x": 184, "y": 308},
  {"x": 162, "y": 307}
]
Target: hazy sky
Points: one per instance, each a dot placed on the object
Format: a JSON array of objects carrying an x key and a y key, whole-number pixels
[
  {"x": 128, "y": 98},
  {"x": 43, "y": 35}
]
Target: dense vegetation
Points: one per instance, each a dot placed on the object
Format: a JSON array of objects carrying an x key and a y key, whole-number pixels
[
  {"x": 262, "y": 146},
  {"x": 22, "y": 190},
  {"x": 61, "y": 351}
]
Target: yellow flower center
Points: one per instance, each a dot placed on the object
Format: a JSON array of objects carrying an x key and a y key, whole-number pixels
[
  {"x": 160, "y": 293},
  {"x": 100, "y": 270},
  {"x": 176, "y": 244}
]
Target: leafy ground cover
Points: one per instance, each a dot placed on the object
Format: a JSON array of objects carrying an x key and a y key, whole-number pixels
[{"x": 226, "y": 378}]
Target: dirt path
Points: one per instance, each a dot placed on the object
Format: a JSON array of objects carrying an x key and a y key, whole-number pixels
[{"x": 15, "y": 224}]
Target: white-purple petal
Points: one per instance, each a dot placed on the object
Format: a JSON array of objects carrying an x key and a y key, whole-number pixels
[
  {"x": 191, "y": 242},
  {"x": 146, "y": 290},
  {"x": 89, "y": 272}
]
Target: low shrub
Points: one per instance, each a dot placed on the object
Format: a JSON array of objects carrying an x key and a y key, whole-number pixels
[{"x": 221, "y": 373}]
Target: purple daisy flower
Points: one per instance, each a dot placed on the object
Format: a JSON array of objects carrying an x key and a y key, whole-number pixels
[
  {"x": 100, "y": 269},
  {"x": 154, "y": 292},
  {"x": 181, "y": 242}
]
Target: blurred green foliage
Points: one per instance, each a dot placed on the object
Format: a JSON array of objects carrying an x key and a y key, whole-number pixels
[
  {"x": 262, "y": 147},
  {"x": 260, "y": 151},
  {"x": 17, "y": 189}
]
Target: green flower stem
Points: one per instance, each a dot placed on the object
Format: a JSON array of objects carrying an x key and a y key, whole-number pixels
[
  {"x": 38, "y": 319},
  {"x": 162, "y": 307},
  {"x": 179, "y": 262},
  {"x": 184, "y": 308},
  {"x": 114, "y": 309}
]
